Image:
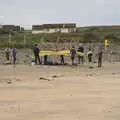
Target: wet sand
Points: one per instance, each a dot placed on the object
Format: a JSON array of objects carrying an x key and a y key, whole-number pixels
[{"x": 68, "y": 93}]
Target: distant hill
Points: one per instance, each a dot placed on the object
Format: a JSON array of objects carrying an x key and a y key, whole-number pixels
[{"x": 99, "y": 29}]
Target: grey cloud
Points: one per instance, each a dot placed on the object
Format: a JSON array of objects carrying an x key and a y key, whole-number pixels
[{"x": 84, "y": 12}]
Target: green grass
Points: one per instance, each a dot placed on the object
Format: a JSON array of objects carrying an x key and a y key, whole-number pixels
[{"x": 89, "y": 35}]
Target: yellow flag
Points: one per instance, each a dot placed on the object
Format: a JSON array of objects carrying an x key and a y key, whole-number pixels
[{"x": 107, "y": 43}]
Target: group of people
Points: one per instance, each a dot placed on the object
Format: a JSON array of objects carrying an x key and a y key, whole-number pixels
[
  {"x": 89, "y": 55},
  {"x": 73, "y": 53}
]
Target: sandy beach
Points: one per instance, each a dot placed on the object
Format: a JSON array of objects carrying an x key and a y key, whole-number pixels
[{"x": 60, "y": 92}]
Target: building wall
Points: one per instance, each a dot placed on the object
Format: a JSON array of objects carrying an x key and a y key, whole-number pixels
[
  {"x": 52, "y": 28},
  {"x": 45, "y": 31},
  {"x": 62, "y": 30}
]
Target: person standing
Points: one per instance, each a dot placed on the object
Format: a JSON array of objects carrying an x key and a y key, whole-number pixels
[
  {"x": 14, "y": 52},
  {"x": 100, "y": 56},
  {"x": 89, "y": 55},
  {"x": 36, "y": 54},
  {"x": 81, "y": 56},
  {"x": 73, "y": 53},
  {"x": 45, "y": 59},
  {"x": 62, "y": 59},
  {"x": 7, "y": 54}
]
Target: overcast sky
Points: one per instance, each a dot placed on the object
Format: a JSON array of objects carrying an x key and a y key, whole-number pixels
[{"x": 82, "y": 12}]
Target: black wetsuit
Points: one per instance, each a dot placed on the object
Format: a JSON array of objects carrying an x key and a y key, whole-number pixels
[
  {"x": 73, "y": 53},
  {"x": 62, "y": 59},
  {"x": 45, "y": 60},
  {"x": 80, "y": 58},
  {"x": 36, "y": 54},
  {"x": 100, "y": 55}
]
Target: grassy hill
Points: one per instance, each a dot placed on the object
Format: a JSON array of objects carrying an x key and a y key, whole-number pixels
[
  {"x": 83, "y": 34},
  {"x": 17, "y": 38}
]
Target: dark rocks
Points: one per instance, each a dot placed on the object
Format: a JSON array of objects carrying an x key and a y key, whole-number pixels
[
  {"x": 91, "y": 67},
  {"x": 43, "y": 78},
  {"x": 9, "y": 82}
]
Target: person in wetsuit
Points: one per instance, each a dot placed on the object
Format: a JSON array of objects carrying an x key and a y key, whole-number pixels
[
  {"x": 80, "y": 57},
  {"x": 62, "y": 59},
  {"x": 36, "y": 51},
  {"x": 100, "y": 56},
  {"x": 14, "y": 52},
  {"x": 73, "y": 53},
  {"x": 90, "y": 54}
]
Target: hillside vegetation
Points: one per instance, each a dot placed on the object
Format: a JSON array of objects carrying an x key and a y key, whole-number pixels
[{"x": 82, "y": 34}]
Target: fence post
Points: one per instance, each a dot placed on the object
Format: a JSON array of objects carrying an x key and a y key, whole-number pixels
[
  {"x": 24, "y": 39},
  {"x": 10, "y": 40}
]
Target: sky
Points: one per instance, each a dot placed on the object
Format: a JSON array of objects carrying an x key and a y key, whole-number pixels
[{"x": 82, "y": 12}]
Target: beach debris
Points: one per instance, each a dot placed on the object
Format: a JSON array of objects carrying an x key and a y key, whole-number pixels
[
  {"x": 91, "y": 67},
  {"x": 51, "y": 77},
  {"x": 43, "y": 78},
  {"x": 9, "y": 82},
  {"x": 116, "y": 74},
  {"x": 57, "y": 75},
  {"x": 5, "y": 81},
  {"x": 92, "y": 74},
  {"x": 89, "y": 75},
  {"x": 113, "y": 73}
]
